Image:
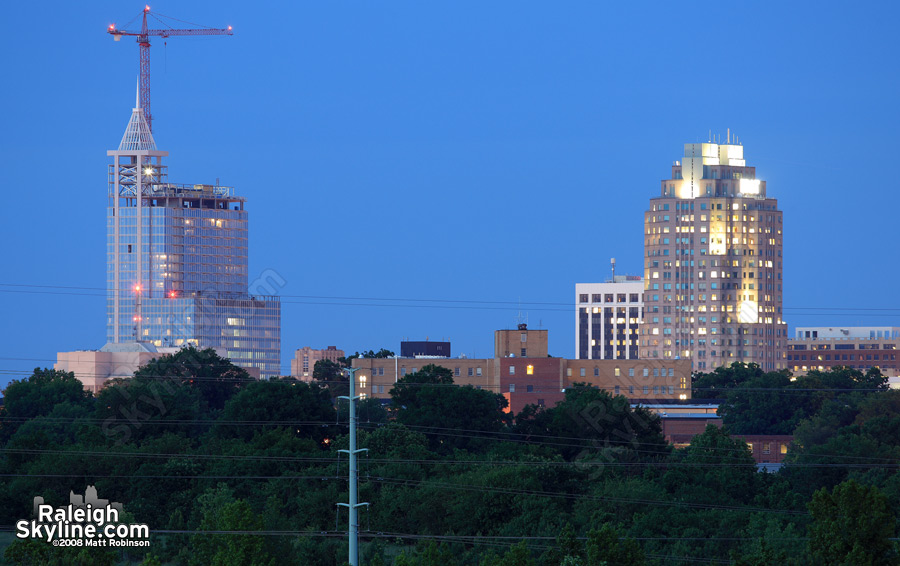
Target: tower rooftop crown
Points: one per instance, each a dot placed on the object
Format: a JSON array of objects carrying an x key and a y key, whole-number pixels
[{"x": 137, "y": 135}]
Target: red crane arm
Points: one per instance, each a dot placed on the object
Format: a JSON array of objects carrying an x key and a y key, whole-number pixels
[
  {"x": 172, "y": 32},
  {"x": 143, "y": 39}
]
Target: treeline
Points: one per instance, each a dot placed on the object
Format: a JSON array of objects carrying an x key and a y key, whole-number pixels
[{"x": 192, "y": 445}]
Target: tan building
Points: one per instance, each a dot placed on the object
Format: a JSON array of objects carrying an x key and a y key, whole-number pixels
[
  {"x": 713, "y": 264},
  {"x": 304, "y": 362},
  {"x": 115, "y": 360},
  {"x": 856, "y": 347},
  {"x": 520, "y": 343},
  {"x": 537, "y": 379}
]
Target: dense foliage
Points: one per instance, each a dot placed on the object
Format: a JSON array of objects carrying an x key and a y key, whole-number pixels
[{"x": 207, "y": 458}]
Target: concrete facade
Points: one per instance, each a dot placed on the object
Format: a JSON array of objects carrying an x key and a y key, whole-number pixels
[
  {"x": 713, "y": 264},
  {"x": 114, "y": 361},
  {"x": 608, "y": 319},
  {"x": 304, "y": 362}
]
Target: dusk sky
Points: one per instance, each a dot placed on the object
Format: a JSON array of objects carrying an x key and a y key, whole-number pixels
[{"x": 417, "y": 169}]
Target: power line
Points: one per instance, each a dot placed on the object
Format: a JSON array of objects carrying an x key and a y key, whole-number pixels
[{"x": 455, "y": 303}]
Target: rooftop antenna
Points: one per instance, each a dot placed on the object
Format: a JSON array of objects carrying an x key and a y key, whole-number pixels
[
  {"x": 709, "y": 138},
  {"x": 521, "y": 320},
  {"x": 728, "y": 139},
  {"x": 612, "y": 263}
]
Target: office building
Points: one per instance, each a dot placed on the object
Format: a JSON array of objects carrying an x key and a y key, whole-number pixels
[
  {"x": 304, "y": 363},
  {"x": 535, "y": 378},
  {"x": 177, "y": 261},
  {"x": 856, "y": 347},
  {"x": 426, "y": 348},
  {"x": 713, "y": 264},
  {"x": 608, "y": 319}
]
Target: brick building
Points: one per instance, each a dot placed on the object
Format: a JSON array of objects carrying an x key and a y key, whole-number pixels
[
  {"x": 535, "y": 378},
  {"x": 304, "y": 362},
  {"x": 857, "y": 347}
]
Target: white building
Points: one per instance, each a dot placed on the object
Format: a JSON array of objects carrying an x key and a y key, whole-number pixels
[{"x": 608, "y": 318}]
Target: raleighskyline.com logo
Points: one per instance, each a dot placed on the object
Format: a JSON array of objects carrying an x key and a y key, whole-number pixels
[{"x": 85, "y": 521}]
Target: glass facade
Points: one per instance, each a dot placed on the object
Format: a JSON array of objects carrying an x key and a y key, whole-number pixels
[{"x": 177, "y": 267}]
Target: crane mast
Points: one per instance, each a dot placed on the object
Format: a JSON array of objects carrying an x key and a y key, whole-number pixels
[{"x": 143, "y": 41}]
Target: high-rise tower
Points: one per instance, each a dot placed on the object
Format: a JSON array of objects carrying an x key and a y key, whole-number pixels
[
  {"x": 177, "y": 261},
  {"x": 713, "y": 264}
]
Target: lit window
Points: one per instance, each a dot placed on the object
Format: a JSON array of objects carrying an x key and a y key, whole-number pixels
[
  {"x": 530, "y": 369},
  {"x": 618, "y": 372}
]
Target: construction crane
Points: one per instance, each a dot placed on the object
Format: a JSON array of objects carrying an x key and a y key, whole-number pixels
[{"x": 143, "y": 40}]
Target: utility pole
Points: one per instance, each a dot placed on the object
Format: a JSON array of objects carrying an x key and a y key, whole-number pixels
[{"x": 352, "y": 506}]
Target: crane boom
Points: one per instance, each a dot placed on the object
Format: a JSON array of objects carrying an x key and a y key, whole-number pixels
[{"x": 143, "y": 40}]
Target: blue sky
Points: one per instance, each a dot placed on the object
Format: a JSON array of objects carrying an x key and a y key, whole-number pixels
[{"x": 464, "y": 151}]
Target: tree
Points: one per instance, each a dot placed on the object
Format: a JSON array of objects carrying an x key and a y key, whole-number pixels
[
  {"x": 347, "y": 361},
  {"x": 852, "y": 525},
  {"x": 717, "y": 383},
  {"x": 220, "y": 511},
  {"x": 215, "y": 378},
  {"x": 37, "y": 395},
  {"x": 713, "y": 467},
  {"x": 517, "y": 555},
  {"x": 451, "y": 416},
  {"x": 407, "y": 387},
  {"x": 131, "y": 410},
  {"x": 605, "y": 425},
  {"x": 608, "y": 546},
  {"x": 766, "y": 404},
  {"x": 331, "y": 376},
  {"x": 303, "y": 408}
]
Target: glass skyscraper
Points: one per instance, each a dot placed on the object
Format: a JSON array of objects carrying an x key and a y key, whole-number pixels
[{"x": 177, "y": 262}]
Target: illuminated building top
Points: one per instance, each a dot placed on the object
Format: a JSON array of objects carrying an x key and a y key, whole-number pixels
[
  {"x": 712, "y": 169},
  {"x": 713, "y": 246}
]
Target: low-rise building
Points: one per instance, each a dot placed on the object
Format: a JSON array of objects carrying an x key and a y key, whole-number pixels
[
  {"x": 682, "y": 422},
  {"x": 304, "y": 362},
  {"x": 535, "y": 378},
  {"x": 856, "y": 347},
  {"x": 116, "y": 360},
  {"x": 424, "y": 348}
]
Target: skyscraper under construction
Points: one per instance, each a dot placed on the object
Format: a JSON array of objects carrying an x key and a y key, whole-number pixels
[{"x": 177, "y": 261}]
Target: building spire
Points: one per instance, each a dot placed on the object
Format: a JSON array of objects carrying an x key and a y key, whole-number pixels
[
  {"x": 137, "y": 93},
  {"x": 137, "y": 135}
]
